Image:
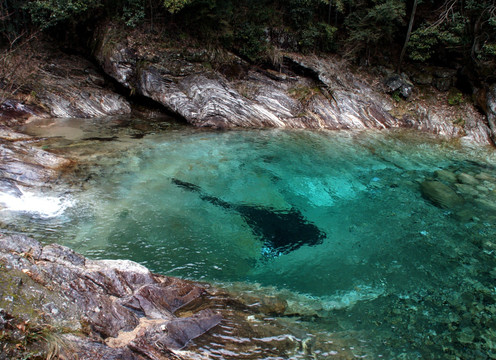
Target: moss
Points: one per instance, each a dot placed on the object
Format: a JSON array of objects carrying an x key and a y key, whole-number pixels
[
  {"x": 27, "y": 331},
  {"x": 455, "y": 98},
  {"x": 460, "y": 122}
]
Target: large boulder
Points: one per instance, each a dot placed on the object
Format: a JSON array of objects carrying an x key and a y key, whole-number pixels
[
  {"x": 70, "y": 86},
  {"x": 399, "y": 83},
  {"x": 63, "y": 85}
]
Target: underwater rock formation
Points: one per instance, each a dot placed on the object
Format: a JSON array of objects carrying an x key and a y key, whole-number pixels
[{"x": 281, "y": 230}]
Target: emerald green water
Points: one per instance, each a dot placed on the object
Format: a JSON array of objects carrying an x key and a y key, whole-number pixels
[{"x": 395, "y": 275}]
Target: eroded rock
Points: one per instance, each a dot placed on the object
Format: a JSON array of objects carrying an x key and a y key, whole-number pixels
[
  {"x": 98, "y": 294},
  {"x": 314, "y": 95}
]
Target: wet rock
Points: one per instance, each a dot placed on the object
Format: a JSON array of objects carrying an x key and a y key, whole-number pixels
[
  {"x": 483, "y": 176},
  {"x": 99, "y": 291},
  {"x": 440, "y": 194},
  {"x": 27, "y": 165},
  {"x": 399, "y": 83},
  {"x": 178, "y": 332},
  {"x": 486, "y": 204},
  {"x": 467, "y": 179},
  {"x": 466, "y": 336},
  {"x": 466, "y": 190},
  {"x": 445, "y": 175},
  {"x": 12, "y": 109},
  {"x": 117, "y": 309}
]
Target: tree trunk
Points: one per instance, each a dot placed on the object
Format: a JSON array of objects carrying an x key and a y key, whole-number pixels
[
  {"x": 408, "y": 33},
  {"x": 329, "y": 13}
]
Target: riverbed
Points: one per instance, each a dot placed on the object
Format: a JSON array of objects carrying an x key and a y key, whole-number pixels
[{"x": 332, "y": 222}]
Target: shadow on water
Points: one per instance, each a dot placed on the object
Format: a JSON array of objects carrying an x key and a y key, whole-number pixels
[{"x": 281, "y": 230}]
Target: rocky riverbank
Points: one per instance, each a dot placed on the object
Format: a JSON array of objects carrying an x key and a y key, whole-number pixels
[
  {"x": 212, "y": 87},
  {"x": 56, "y": 303},
  {"x": 218, "y": 89}
]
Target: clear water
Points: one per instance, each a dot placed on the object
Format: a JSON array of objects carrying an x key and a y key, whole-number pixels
[{"x": 400, "y": 276}]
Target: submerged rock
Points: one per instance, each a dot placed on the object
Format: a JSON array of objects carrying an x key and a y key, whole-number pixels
[
  {"x": 440, "y": 194},
  {"x": 467, "y": 179},
  {"x": 445, "y": 175}
]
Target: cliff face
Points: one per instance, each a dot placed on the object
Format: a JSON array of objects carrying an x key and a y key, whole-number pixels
[{"x": 218, "y": 89}]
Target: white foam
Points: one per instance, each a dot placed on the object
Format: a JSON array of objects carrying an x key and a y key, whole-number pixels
[{"x": 43, "y": 206}]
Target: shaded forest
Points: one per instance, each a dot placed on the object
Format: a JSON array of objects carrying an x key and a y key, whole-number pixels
[{"x": 451, "y": 33}]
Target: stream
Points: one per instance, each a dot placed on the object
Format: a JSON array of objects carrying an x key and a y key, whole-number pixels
[{"x": 334, "y": 223}]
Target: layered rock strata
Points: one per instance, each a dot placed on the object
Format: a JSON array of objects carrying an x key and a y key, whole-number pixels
[{"x": 220, "y": 90}]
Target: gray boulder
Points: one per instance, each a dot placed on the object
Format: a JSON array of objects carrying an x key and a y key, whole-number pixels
[{"x": 399, "y": 83}]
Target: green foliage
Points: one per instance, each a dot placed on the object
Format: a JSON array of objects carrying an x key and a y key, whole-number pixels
[
  {"x": 427, "y": 39},
  {"x": 464, "y": 28},
  {"x": 422, "y": 44},
  {"x": 250, "y": 41},
  {"x": 173, "y": 6},
  {"x": 133, "y": 12},
  {"x": 320, "y": 36},
  {"x": 396, "y": 96},
  {"x": 374, "y": 26},
  {"x": 455, "y": 98},
  {"x": 47, "y": 13},
  {"x": 306, "y": 21}
]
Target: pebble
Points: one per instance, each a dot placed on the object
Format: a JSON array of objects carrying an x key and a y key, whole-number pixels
[
  {"x": 445, "y": 175},
  {"x": 485, "y": 177},
  {"x": 467, "y": 179}
]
